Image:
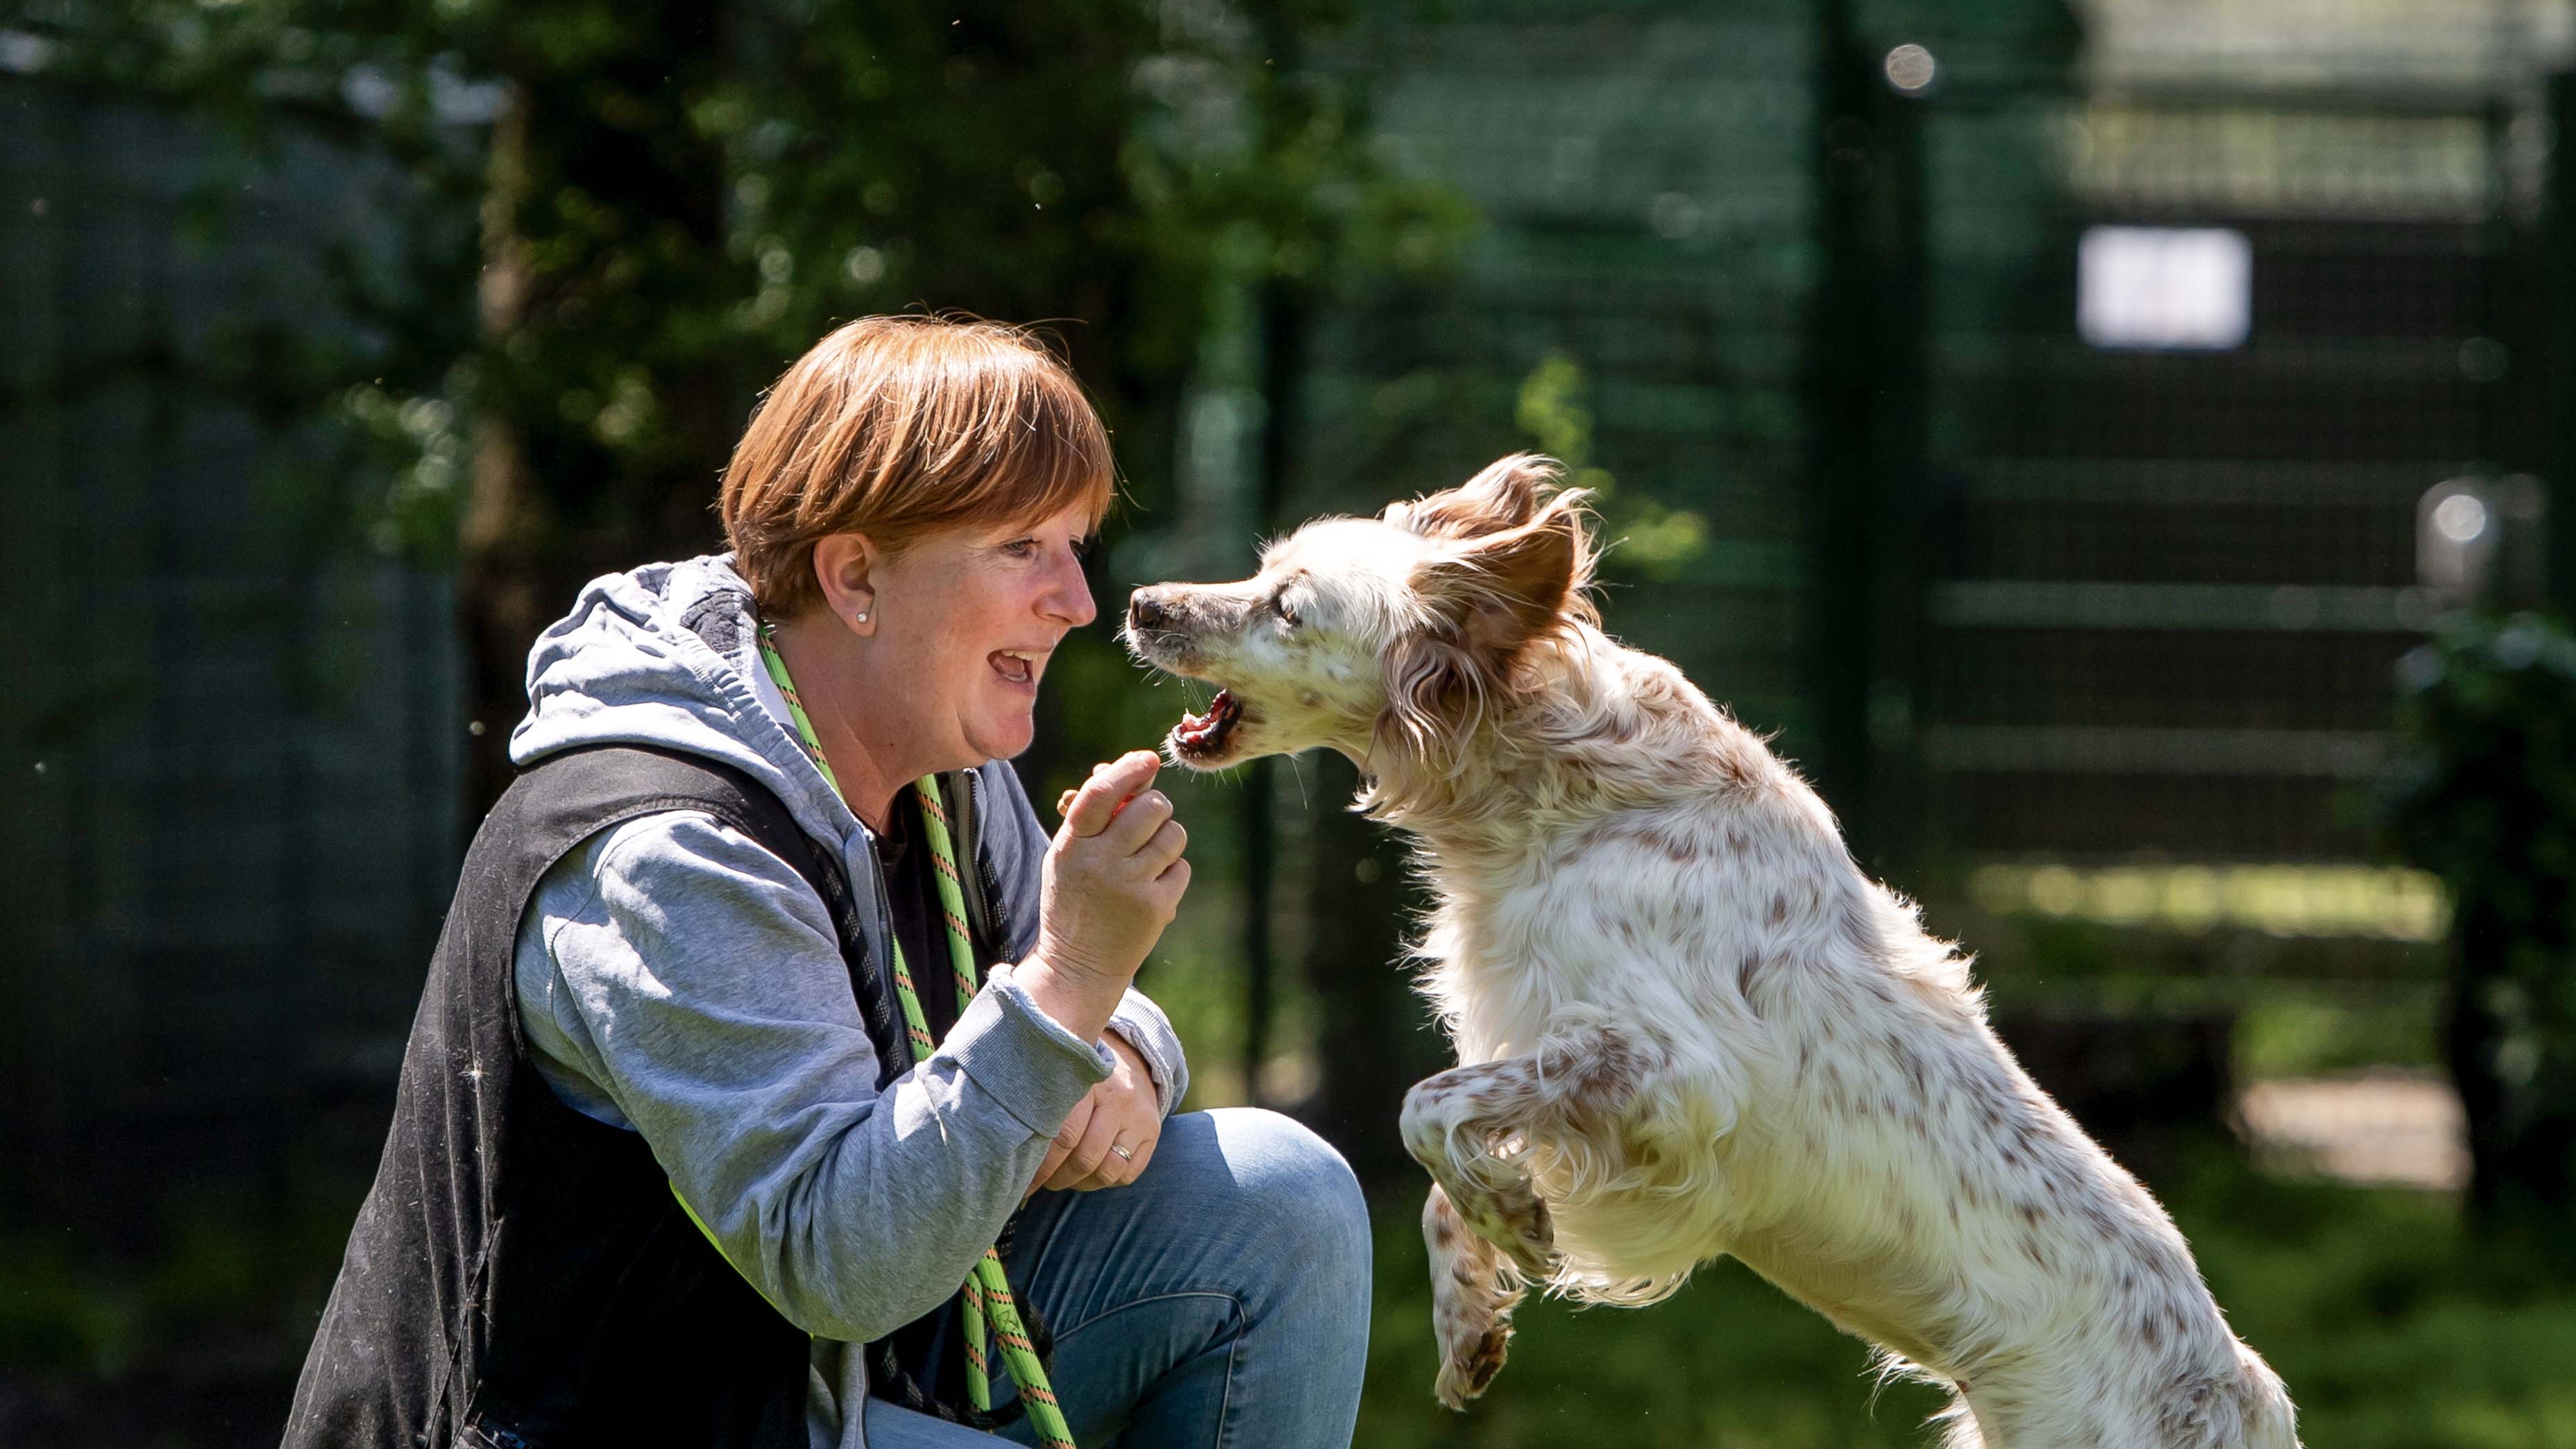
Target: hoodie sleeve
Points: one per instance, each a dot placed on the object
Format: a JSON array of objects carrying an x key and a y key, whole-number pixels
[
  {"x": 1018, "y": 842},
  {"x": 698, "y": 987}
]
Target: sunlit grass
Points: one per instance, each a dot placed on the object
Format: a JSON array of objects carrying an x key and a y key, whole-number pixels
[
  {"x": 2392, "y": 1328},
  {"x": 1728, "y": 1362},
  {"x": 2370, "y": 902}
]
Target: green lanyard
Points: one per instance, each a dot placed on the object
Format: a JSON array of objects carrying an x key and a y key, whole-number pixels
[{"x": 985, "y": 1295}]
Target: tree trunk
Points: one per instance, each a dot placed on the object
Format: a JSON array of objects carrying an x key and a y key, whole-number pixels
[
  {"x": 497, "y": 589},
  {"x": 603, "y": 221}
]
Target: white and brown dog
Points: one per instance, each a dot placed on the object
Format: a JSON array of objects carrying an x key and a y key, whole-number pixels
[{"x": 1688, "y": 1025}]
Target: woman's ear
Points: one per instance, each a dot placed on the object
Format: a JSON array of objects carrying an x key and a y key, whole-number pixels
[{"x": 845, "y": 570}]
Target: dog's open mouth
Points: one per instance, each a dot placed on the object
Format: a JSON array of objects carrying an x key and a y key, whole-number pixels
[{"x": 1203, "y": 736}]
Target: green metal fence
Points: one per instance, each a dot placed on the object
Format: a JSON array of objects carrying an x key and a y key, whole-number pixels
[
  {"x": 230, "y": 762},
  {"x": 1813, "y": 273},
  {"x": 2175, "y": 570}
]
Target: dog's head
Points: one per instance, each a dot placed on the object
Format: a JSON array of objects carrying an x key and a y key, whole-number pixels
[{"x": 1370, "y": 634}]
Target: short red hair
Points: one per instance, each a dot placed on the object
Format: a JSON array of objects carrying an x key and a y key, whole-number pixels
[{"x": 899, "y": 426}]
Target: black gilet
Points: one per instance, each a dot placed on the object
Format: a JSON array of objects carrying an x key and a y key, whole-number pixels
[{"x": 520, "y": 1276}]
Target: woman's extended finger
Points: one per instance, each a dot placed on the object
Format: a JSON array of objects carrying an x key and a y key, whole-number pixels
[{"x": 1098, "y": 799}]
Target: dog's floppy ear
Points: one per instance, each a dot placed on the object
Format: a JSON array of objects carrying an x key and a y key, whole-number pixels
[
  {"x": 1507, "y": 494},
  {"x": 1433, "y": 690},
  {"x": 1499, "y": 590},
  {"x": 1489, "y": 596}
]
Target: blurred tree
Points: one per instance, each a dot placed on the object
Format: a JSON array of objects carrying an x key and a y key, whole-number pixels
[
  {"x": 621, "y": 220},
  {"x": 2485, "y": 797}
]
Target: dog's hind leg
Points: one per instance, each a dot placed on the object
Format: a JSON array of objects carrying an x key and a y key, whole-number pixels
[
  {"x": 1470, "y": 1125},
  {"x": 1473, "y": 1292}
]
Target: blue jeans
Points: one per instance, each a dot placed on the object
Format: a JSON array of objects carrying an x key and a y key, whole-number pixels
[{"x": 1219, "y": 1301}]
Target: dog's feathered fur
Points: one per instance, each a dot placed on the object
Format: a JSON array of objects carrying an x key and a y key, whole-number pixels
[{"x": 1687, "y": 1023}]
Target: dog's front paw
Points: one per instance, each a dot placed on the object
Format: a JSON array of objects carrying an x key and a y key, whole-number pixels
[
  {"x": 1515, "y": 1219},
  {"x": 1472, "y": 1297},
  {"x": 1470, "y": 1357}
]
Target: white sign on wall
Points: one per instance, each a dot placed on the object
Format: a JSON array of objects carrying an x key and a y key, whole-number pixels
[{"x": 2184, "y": 288}]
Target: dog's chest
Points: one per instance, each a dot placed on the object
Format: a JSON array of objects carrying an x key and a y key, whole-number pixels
[{"x": 1506, "y": 971}]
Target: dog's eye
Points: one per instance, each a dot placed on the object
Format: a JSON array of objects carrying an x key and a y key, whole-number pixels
[{"x": 1286, "y": 611}]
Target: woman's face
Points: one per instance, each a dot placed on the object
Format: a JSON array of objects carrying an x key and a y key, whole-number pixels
[{"x": 966, "y": 622}]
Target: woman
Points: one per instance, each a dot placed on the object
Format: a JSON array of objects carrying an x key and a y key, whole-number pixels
[{"x": 754, "y": 790}]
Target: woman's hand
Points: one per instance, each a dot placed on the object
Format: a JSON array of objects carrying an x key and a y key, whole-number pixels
[
  {"x": 1114, "y": 875},
  {"x": 1114, "y": 878},
  {"x": 1120, "y": 1113}
]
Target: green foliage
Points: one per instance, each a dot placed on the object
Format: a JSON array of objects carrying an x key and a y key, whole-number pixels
[
  {"x": 1650, "y": 539},
  {"x": 594, "y": 231},
  {"x": 613, "y": 223},
  {"x": 2485, "y": 797}
]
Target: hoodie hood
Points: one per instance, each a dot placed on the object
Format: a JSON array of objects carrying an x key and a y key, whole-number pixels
[{"x": 667, "y": 655}]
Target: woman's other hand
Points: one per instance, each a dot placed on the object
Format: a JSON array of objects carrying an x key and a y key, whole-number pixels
[
  {"x": 1114, "y": 879},
  {"x": 1122, "y": 1114}
]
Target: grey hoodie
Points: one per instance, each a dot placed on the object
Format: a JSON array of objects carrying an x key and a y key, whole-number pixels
[{"x": 678, "y": 980}]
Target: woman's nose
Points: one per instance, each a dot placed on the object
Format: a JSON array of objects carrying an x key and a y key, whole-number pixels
[{"x": 1070, "y": 600}]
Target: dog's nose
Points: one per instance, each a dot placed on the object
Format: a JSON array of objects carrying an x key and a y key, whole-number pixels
[{"x": 1146, "y": 610}]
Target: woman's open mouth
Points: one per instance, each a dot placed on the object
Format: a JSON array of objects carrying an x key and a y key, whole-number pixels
[
  {"x": 1203, "y": 736},
  {"x": 1015, "y": 666}
]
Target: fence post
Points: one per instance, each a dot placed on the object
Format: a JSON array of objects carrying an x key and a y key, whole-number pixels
[
  {"x": 2558, "y": 360},
  {"x": 1865, "y": 425}
]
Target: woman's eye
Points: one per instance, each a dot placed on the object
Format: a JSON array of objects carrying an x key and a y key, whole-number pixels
[{"x": 1021, "y": 548}]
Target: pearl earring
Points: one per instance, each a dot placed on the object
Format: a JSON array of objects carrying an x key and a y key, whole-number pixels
[{"x": 863, "y": 618}]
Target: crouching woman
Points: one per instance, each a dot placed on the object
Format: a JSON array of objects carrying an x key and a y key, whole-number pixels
[{"x": 767, "y": 1011}]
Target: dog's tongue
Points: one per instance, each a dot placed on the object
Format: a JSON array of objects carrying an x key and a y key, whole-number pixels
[{"x": 1196, "y": 728}]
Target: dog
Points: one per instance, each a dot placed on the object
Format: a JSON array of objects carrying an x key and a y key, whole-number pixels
[{"x": 1687, "y": 1024}]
